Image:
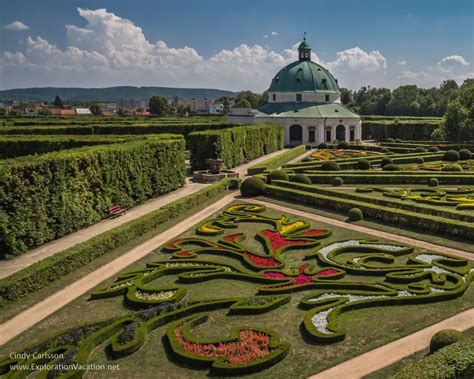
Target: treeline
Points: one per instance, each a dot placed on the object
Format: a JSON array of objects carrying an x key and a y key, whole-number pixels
[{"x": 408, "y": 100}]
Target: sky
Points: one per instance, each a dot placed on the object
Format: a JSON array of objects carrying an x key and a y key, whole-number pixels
[{"x": 234, "y": 45}]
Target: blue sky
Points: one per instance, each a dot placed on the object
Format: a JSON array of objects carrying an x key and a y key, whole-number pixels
[{"x": 230, "y": 43}]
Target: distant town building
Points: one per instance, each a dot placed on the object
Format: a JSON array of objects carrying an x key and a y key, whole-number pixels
[
  {"x": 304, "y": 98},
  {"x": 83, "y": 111}
]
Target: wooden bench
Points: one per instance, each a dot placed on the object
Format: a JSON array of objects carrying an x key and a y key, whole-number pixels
[{"x": 116, "y": 211}]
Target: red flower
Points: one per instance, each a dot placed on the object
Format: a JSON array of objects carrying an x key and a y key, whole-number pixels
[
  {"x": 313, "y": 233},
  {"x": 326, "y": 272},
  {"x": 232, "y": 237},
  {"x": 277, "y": 241},
  {"x": 261, "y": 261},
  {"x": 184, "y": 253}
]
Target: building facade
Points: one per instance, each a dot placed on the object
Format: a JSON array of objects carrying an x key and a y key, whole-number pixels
[{"x": 304, "y": 98}]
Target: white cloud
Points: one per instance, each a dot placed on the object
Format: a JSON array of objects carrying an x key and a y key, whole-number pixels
[
  {"x": 274, "y": 33},
  {"x": 17, "y": 25},
  {"x": 265, "y": 36},
  {"x": 402, "y": 63},
  {"x": 110, "y": 50},
  {"x": 453, "y": 60}
]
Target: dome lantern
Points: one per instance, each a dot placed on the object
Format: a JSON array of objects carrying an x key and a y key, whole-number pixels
[{"x": 304, "y": 50}]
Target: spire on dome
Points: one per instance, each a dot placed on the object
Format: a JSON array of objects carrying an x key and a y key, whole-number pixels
[{"x": 304, "y": 50}]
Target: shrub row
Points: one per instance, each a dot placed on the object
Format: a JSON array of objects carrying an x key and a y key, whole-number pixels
[
  {"x": 416, "y": 208},
  {"x": 279, "y": 160},
  {"x": 15, "y": 146},
  {"x": 235, "y": 145},
  {"x": 404, "y": 129},
  {"x": 48, "y": 196},
  {"x": 40, "y": 274},
  {"x": 453, "y": 361},
  {"x": 394, "y": 177},
  {"x": 381, "y": 213}
]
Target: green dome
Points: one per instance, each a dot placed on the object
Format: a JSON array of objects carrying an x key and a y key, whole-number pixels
[
  {"x": 304, "y": 45},
  {"x": 304, "y": 76}
]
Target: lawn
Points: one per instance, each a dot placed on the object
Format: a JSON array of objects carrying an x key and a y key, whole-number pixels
[{"x": 298, "y": 259}]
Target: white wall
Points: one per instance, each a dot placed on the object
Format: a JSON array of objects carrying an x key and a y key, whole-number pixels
[{"x": 311, "y": 97}]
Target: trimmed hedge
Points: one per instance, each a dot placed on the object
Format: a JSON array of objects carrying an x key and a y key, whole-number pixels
[
  {"x": 252, "y": 187},
  {"x": 236, "y": 145},
  {"x": 444, "y": 338},
  {"x": 413, "y": 129},
  {"x": 15, "y": 146},
  {"x": 48, "y": 196},
  {"x": 279, "y": 160},
  {"x": 40, "y": 274},
  {"x": 384, "y": 214},
  {"x": 453, "y": 361}
]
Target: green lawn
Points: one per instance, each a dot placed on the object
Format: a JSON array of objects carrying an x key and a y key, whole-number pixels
[{"x": 366, "y": 328}]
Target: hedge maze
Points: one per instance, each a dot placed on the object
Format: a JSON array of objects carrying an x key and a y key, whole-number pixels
[{"x": 288, "y": 263}]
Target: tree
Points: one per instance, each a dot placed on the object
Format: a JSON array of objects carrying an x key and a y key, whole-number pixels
[
  {"x": 346, "y": 96},
  {"x": 95, "y": 109},
  {"x": 242, "y": 103},
  {"x": 58, "y": 102},
  {"x": 263, "y": 99},
  {"x": 158, "y": 105},
  {"x": 251, "y": 97}
]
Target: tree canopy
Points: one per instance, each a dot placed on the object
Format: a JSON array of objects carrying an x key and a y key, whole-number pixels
[{"x": 158, "y": 105}]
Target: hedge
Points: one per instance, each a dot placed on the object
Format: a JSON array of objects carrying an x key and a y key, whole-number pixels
[
  {"x": 15, "y": 146},
  {"x": 278, "y": 161},
  {"x": 48, "y": 196},
  {"x": 453, "y": 361},
  {"x": 381, "y": 213},
  {"x": 384, "y": 202},
  {"x": 235, "y": 145},
  {"x": 40, "y": 274},
  {"x": 404, "y": 129}
]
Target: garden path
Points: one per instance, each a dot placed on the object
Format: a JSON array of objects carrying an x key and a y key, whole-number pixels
[
  {"x": 34, "y": 255},
  {"x": 392, "y": 352}
]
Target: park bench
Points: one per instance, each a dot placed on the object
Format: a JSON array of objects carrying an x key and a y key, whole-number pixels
[{"x": 116, "y": 211}]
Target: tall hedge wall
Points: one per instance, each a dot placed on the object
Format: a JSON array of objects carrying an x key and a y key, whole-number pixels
[
  {"x": 48, "y": 196},
  {"x": 16, "y": 146},
  {"x": 235, "y": 145},
  {"x": 404, "y": 129}
]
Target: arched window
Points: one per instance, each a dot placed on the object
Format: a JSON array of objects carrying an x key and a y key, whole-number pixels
[
  {"x": 341, "y": 133},
  {"x": 296, "y": 135}
]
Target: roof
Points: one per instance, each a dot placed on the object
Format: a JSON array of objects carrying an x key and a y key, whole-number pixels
[
  {"x": 304, "y": 45},
  {"x": 306, "y": 110},
  {"x": 85, "y": 111},
  {"x": 304, "y": 76}
]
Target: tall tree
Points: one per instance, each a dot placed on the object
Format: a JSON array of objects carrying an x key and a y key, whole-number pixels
[
  {"x": 158, "y": 105},
  {"x": 95, "y": 109},
  {"x": 58, "y": 102}
]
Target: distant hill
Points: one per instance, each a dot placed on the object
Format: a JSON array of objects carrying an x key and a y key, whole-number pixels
[{"x": 111, "y": 94}]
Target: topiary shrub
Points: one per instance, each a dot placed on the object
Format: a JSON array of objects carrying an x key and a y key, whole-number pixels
[
  {"x": 453, "y": 167},
  {"x": 465, "y": 154},
  {"x": 451, "y": 156},
  {"x": 343, "y": 145},
  {"x": 323, "y": 145},
  {"x": 330, "y": 166},
  {"x": 419, "y": 160},
  {"x": 383, "y": 150},
  {"x": 355, "y": 214},
  {"x": 363, "y": 164},
  {"x": 420, "y": 149},
  {"x": 391, "y": 140},
  {"x": 398, "y": 140},
  {"x": 301, "y": 178},
  {"x": 444, "y": 338},
  {"x": 433, "y": 182},
  {"x": 391, "y": 167},
  {"x": 385, "y": 161},
  {"x": 307, "y": 159},
  {"x": 337, "y": 181},
  {"x": 433, "y": 149},
  {"x": 277, "y": 175},
  {"x": 252, "y": 187}
]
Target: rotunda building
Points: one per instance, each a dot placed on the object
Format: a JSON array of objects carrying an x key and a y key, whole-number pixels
[{"x": 304, "y": 98}]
